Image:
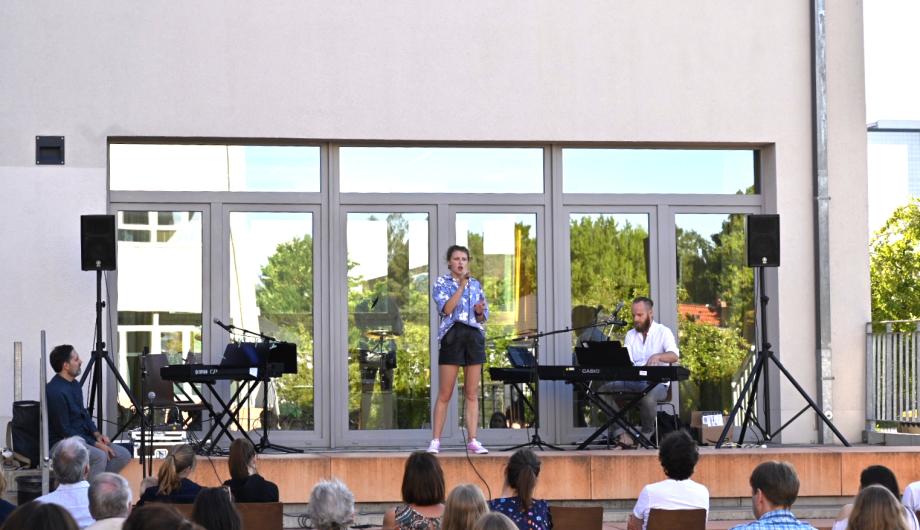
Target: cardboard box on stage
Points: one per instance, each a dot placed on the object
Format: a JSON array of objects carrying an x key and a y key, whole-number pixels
[{"x": 709, "y": 427}]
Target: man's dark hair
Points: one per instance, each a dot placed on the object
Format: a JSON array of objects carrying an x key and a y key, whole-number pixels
[
  {"x": 423, "y": 480},
  {"x": 59, "y": 356},
  {"x": 678, "y": 455},
  {"x": 457, "y": 248},
  {"x": 645, "y": 300},
  {"x": 882, "y": 476},
  {"x": 777, "y": 481},
  {"x": 35, "y": 515}
]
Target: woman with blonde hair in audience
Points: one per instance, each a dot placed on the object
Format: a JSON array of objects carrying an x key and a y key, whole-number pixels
[
  {"x": 877, "y": 509},
  {"x": 422, "y": 495},
  {"x": 173, "y": 485},
  {"x": 464, "y": 506},
  {"x": 517, "y": 500},
  {"x": 246, "y": 484},
  {"x": 884, "y": 477},
  {"x": 494, "y": 521}
]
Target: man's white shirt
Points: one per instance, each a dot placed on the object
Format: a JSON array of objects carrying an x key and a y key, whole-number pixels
[
  {"x": 660, "y": 339},
  {"x": 75, "y": 499},
  {"x": 671, "y": 494}
]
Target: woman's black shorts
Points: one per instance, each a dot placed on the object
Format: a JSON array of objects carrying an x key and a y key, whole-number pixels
[{"x": 462, "y": 345}]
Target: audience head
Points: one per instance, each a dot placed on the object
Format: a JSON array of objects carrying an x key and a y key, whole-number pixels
[
  {"x": 242, "y": 458},
  {"x": 464, "y": 506},
  {"x": 109, "y": 496},
  {"x": 521, "y": 474},
  {"x": 332, "y": 506},
  {"x": 214, "y": 510},
  {"x": 70, "y": 460},
  {"x": 494, "y": 521},
  {"x": 882, "y": 476},
  {"x": 158, "y": 516},
  {"x": 36, "y": 515},
  {"x": 678, "y": 455},
  {"x": 423, "y": 480},
  {"x": 773, "y": 485},
  {"x": 179, "y": 462},
  {"x": 877, "y": 509},
  {"x": 58, "y": 356}
]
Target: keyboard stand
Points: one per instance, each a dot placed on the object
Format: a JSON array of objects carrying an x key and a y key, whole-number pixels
[
  {"x": 615, "y": 417},
  {"x": 218, "y": 417}
]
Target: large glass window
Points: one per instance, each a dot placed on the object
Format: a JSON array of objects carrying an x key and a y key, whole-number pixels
[
  {"x": 441, "y": 170},
  {"x": 271, "y": 292},
  {"x": 610, "y": 264},
  {"x": 715, "y": 306},
  {"x": 159, "y": 290},
  {"x": 503, "y": 257},
  {"x": 157, "y": 167},
  {"x": 658, "y": 171},
  {"x": 389, "y": 361}
]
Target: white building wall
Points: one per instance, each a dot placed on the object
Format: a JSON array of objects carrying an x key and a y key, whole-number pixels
[{"x": 653, "y": 71}]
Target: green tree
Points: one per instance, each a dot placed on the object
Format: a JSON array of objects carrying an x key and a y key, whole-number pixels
[
  {"x": 712, "y": 354},
  {"x": 609, "y": 261},
  {"x": 895, "y": 266},
  {"x": 285, "y": 300}
]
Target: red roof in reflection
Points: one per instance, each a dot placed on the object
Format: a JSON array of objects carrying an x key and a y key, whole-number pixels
[{"x": 702, "y": 313}]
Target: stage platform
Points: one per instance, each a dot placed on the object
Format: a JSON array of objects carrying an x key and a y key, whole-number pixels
[{"x": 593, "y": 475}]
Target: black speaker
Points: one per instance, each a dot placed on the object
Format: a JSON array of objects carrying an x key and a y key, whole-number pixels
[
  {"x": 97, "y": 242},
  {"x": 763, "y": 240}
]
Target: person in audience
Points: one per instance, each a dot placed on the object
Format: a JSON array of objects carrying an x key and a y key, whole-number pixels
[
  {"x": 911, "y": 498},
  {"x": 67, "y": 416},
  {"x": 109, "y": 501},
  {"x": 678, "y": 455},
  {"x": 214, "y": 510},
  {"x": 158, "y": 516},
  {"x": 494, "y": 521},
  {"x": 517, "y": 500},
  {"x": 332, "y": 506},
  {"x": 876, "y": 508},
  {"x": 464, "y": 506},
  {"x": 774, "y": 488},
  {"x": 422, "y": 494},
  {"x": 6, "y": 507},
  {"x": 37, "y": 515},
  {"x": 881, "y": 476},
  {"x": 70, "y": 463},
  {"x": 173, "y": 485},
  {"x": 245, "y": 482}
]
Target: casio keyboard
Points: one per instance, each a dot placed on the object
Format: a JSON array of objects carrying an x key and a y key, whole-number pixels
[
  {"x": 582, "y": 376},
  {"x": 658, "y": 374}
]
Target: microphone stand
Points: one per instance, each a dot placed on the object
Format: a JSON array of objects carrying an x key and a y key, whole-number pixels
[{"x": 535, "y": 440}]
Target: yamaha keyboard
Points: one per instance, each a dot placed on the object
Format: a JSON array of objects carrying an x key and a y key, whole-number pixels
[
  {"x": 201, "y": 373},
  {"x": 592, "y": 373}
]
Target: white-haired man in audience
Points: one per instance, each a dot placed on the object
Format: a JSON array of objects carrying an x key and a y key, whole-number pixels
[
  {"x": 70, "y": 463},
  {"x": 109, "y": 501},
  {"x": 332, "y": 505}
]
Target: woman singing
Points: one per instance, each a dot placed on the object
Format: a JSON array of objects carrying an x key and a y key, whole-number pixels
[{"x": 461, "y": 342}]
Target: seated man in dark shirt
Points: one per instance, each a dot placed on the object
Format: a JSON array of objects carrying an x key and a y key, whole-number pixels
[{"x": 67, "y": 416}]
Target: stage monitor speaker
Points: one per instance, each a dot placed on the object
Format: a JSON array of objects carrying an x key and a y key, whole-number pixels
[
  {"x": 763, "y": 240},
  {"x": 97, "y": 242}
]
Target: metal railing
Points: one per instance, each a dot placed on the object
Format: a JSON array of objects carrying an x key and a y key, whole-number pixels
[{"x": 892, "y": 378}]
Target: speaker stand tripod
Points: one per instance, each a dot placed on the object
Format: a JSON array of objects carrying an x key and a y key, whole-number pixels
[
  {"x": 763, "y": 356},
  {"x": 94, "y": 367}
]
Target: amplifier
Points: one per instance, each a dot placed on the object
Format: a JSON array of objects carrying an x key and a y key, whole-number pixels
[{"x": 158, "y": 442}]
